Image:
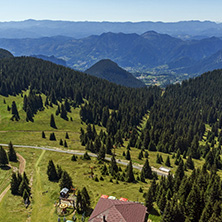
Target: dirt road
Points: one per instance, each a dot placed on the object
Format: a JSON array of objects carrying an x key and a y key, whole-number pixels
[{"x": 22, "y": 163}]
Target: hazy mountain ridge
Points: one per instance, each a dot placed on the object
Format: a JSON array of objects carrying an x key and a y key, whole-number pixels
[{"x": 35, "y": 29}]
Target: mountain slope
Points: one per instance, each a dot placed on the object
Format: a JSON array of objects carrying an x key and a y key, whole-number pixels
[
  {"x": 5, "y": 54},
  {"x": 107, "y": 69}
]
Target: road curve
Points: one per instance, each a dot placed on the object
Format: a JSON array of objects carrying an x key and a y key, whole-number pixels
[
  {"x": 76, "y": 152},
  {"x": 22, "y": 164}
]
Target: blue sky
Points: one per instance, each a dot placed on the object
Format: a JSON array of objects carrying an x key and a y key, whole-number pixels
[{"x": 112, "y": 10}]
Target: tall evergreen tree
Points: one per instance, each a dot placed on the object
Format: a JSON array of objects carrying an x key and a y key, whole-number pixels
[
  {"x": 190, "y": 163},
  {"x": 113, "y": 166},
  {"x": 147, "y": 170},
  {"x": 102, "y": 153},
  {"x": 12, "y": 154},
  {"x": 129, "y": 173},
  {"x": 167, "y": 163},
  {"x": 14, "y": 184},
  {"x": 51, "y": 171},
  {"x": 65, "y": 181},
  {"x": 15, "y": 114},
  {"x": 3, "y": 157},
  {"x": 52, "y": 122}
]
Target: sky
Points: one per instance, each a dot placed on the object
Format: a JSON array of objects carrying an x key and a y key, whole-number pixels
[{"x": 111, "y": 10}]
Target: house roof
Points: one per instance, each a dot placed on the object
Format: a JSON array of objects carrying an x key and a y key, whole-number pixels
[{"x": 118, "y": 211}]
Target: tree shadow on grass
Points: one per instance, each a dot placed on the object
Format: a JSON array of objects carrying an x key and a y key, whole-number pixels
[{"x": 6, "y": 167}]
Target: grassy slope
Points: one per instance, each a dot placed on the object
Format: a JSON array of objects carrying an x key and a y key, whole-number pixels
[{"x": 28, "y": 133}]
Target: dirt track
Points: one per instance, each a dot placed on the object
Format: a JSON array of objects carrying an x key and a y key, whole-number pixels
[{"x": 21, "y": 170}]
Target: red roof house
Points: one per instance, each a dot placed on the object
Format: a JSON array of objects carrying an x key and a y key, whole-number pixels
[{"x": 108, "y": 210}]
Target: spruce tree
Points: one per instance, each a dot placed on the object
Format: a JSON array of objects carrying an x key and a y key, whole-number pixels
[
  {"x": 149, "y": 200},
  {"x": 109, "y": 145},
  {"x": 3, "y": 157},
  {"x": 129, "y": 174},
  {"x": 167, "y": 163},
  {"x": 12, "y": 154},
  {"x": 51, "y": 171},
  {"x": 67, "y": 136},
  {"x": 43, "y": 135},
  {"x": 65, "y": 144},
  {"x": 147, "y": 170},
  {"x": 52, "y": 137},
  {"x": 15, "y": 114},
  {"x": 65, "y": 181},
  {"x": 113, "y": 166},
  {"x": 102, "y": 153},
  {"x": 14, "y": 184},
  {"x": 60, "y": 142},
  {"x": 74, "y": 158},
  {"x": 190, "y": 163},
  {"x": 52, "y": 122},
  {"x": 24, "y": 186},
  {"x": 128, "y": 157},
  {"x": 85, "y": 198},
  {"x": 86, "y": 156}
]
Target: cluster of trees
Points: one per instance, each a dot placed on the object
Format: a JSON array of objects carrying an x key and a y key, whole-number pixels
[
  {"x": 82, "y": 200},
  {"x": 20, "y": 185},
  {"x": 31, "y": 104},
  {"x": 183, "y": 198},
  {"x": 128, "y": 174},
  {"x": 11, "y": 156},
  {"x": 56, "y": 174}
]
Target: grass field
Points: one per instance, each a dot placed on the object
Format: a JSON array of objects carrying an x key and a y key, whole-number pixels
[
  {"x": 30, "y": 133},
  {"x": 42, "y": 207}
]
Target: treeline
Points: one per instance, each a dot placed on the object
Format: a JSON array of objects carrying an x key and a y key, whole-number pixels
[{"x": 182, "y": 198}]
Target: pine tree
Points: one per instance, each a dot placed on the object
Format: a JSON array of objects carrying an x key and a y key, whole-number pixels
[
  {"x": 74, "y": 158},
  {"x": 52, "y": 122},
  {"x": 109, "y": 145},
  {"x": 3, "y": 157},
  {"x": 59, "y": 171},
  {"x": 207, "y": 212},
  {"x": 192, "y": 204},
  {"x": 190, "y": 163},
  {"x": 128, "y": 157},
  {"x": 43, "y": 135},
  {"x": 167, "y": 163},
  {"x": 65, "y": 181},
  {"x": 168, "y": 214},
  {"x": 149, "y": 200},
  {"x": 15, "y": 114},
  {"x": 61, "y": 142},
  {"x": 63, "y": 113},
  {"x": 51, "y": 171},
  {"x": 24, "y": 186},
  {"x": 147, "y": 170},
  {"x": 12, "y": 154},
  {"x": 113, "y": 166},
  {"x": 14, "y": 184},
  {"x": 102, "y": 153},
  {"x": 67, "y": 136},
  {"x": 86, "y": 156},
  {"x": 85, "y": 198},
  {"x": 52, "y": 137},
  {"x": 146, "y": 154},
  {"x": 129, "y": 174},
  {"x": 65, "y": 144}
]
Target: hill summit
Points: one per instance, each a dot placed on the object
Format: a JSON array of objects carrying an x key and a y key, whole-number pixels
[
  {"x": 109, "y": 70},
  {"x": 5, "y": 54}
]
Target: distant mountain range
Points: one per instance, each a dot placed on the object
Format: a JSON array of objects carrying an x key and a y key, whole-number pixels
[
  {"x": 107, "y": 69},
  {"x": 131, "y": 51},
  {"x": 51, "y": 59},
  {"x": 46, "y": 28}
]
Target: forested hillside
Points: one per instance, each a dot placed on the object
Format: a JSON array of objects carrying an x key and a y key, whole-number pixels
[
  {"x": 107, "y": 69},
  {"x": 58, "y": 83}
]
